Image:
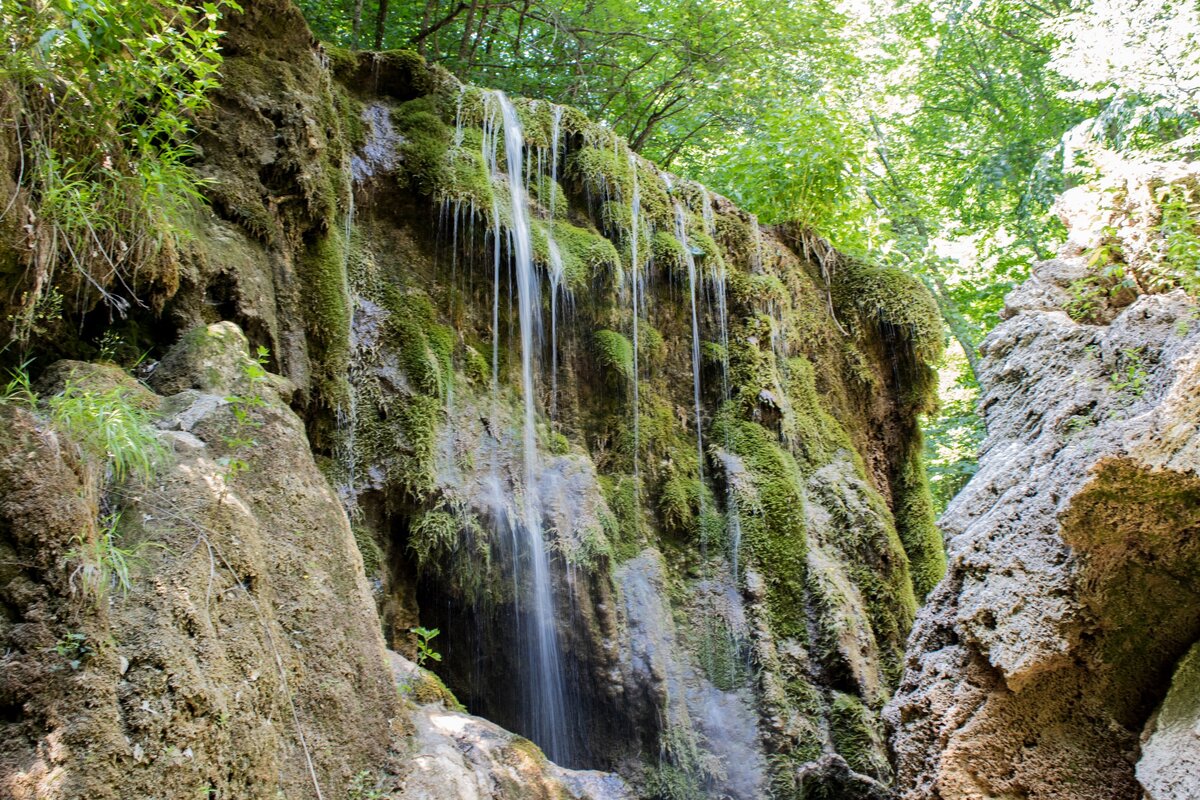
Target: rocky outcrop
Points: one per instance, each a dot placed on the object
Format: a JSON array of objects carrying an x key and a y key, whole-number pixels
[
  {"x": 1072, "y": 589},
  {"x": 228, "y": 644}
]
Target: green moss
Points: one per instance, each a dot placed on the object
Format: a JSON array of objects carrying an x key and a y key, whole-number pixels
[
  {"x": 890, "y": 296},
  {"x": 772, "y": 516},
  {"x": 425, "y": 687},
  {"x": 584, "y": 252},
  {"x": 478, "y": 368},
  {"x": 452, "y": 544},
  {"x": 327, "y": 305},
  {"x": 668, "y": 251},
  {"x": 915, "y": 522},
  {"x": 417, "y": 419},
  {"x": 603, "y": 169},
  {"x": 678, "y": 503},
  {"x": 816, "y": 436},
  {"x": 620, "y": 495},
  {"x": 426, "y": 347},
  {"x": 372, "y": 553},
  {"x": 615, "y": 354},
  {"x": 856, "y": 737},
  {"x": 425, "y": 142}
]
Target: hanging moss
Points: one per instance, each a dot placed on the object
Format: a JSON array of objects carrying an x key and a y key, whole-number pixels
[
  {"x": 668, "y": 251},
  {"x": 772, "y": 519},
  {"x": 418, "y": 419},
  {"x": 603, "y": 170},
  {"x": 615, "y": 354},
  {"x": 426, "y": 140},
  {"x": 372, "y": 553},
  {"x": 426, "y": 347},
  {"x": 915, "y": 522},
  {"x": 891, "y": 296},
  {"x": 620, "y": 495},
  {"x": 327, "y": 306},
  {"x": 584, "y": 252},
  {"x": 453, "y": 544},
  {"x": 856, "y": 737},
  {"x": 816, "y": 435}
]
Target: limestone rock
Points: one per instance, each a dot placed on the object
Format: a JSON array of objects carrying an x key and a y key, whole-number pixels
[
  {"x": 1072, "y": 589},
  {"x": 1169, "y": 768}
]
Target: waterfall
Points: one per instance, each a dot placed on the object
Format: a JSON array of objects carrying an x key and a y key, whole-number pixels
[
  {"x": 545, "y": 703},
  {"x": 681, "y": 234}
]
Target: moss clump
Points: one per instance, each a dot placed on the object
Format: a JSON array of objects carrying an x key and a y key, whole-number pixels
[
  {"x": 372, "y": 553},
  {"x": 915, "y": 522},
  {"x": 668, "y": 252},
  {"x": 679, "y": 503},
  {"x": 425, "y": 687},
  {"x": 452, "y": 544},
  {"x": 417, "y": 421},
  {"x": 615, "y": 354},
  {"x": 816, "y": 436},
  {"x": 584, "y": 252},
  {"x": 603, "y": 169},
  {"x": 887, "y": 296},
  {"x": 327, "y": 301},
  {"x": 426, "y": 347},
  {"x": 772, "y": 516},
  {"x": 478, "y": 368},
  {"x": 620, "y": 495},
  {"x": 856, "y": 737},
  {"x": 426, "y": 142}
]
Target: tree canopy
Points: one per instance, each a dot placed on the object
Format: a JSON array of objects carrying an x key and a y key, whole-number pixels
[{"x": 933, "y": 135}]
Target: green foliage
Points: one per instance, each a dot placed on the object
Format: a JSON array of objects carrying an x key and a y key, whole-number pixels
[
  {"x": 240, "y": 441},
  {"x": 425, "y": 651},
  {"x": 19, "y": 390},
  {"x": 75, "y": 649},
  {"x": 106, "y": 96},
  {"x": 365, "y": 786},
  {"x": 103, "y": 563},
  {"x": 1179, "y": 248},
  {"x": 1130, "y": 376},
  {"x": 615, "y": 354},
  {"x": 110, "y": 427}
]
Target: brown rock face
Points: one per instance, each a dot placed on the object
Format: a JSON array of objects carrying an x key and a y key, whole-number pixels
[
  {"x": 243, "y": 660},
  {"x": 1073, "y": 588}
]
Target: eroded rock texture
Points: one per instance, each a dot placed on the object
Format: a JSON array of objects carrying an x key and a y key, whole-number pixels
[{"x": 1073, "y": 589}]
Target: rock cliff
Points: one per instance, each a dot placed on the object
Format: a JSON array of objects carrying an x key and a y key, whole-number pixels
[{"x": 1071, "y": 597}]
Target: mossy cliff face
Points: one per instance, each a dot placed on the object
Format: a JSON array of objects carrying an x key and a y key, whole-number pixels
[
  {"x": 734, "y": 582},
  {"x": 1036, "y": 668},
  {"x": 812, "y": 373}
]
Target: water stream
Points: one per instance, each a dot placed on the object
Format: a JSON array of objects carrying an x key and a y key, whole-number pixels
[{"x": 545, "y": 703}]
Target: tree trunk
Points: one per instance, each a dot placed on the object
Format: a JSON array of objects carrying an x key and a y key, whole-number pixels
[
  {"x": 357, "y": 26},
  {"x": 381, "y": 24},
  {"x": 464, "y": 44}
]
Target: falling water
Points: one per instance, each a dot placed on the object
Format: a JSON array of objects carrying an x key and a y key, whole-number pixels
[
  {"x": 681, "y": 234},
  {"x": 546, "y": 704}
]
